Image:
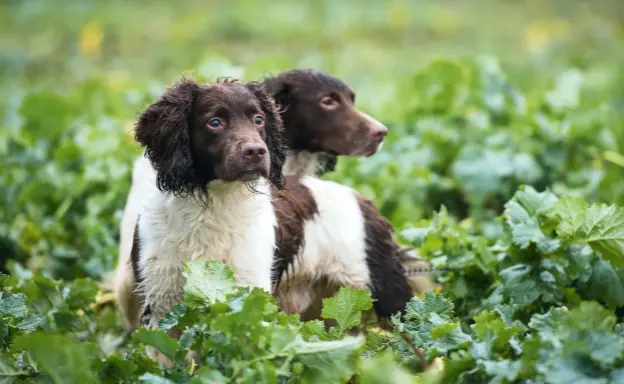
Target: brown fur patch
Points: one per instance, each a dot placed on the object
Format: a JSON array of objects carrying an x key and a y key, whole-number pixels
[
  {"x": 294, "y": 205},
  {"x": 389, "y": 285}
]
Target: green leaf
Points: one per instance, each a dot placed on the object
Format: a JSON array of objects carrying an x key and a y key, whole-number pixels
[
  {"x": 571, "y": 213},
  {"x": 64, "y": 360},
  {"x": 489, "y": 324},
  {"x": 207, "y": 282},
  {"x": 600, "y": 226},
  {"x": 567, "y": 90},
  {"x": 158, "y": 339},
  {"x": 13, "y": 304},
  {"x": 432, "y": 304},
  {"x": 439, "y": 85},
  {"x": 313, "y": 328},
  {"x": 82, "y": 292},
  {"x": 29, "y": 323},
  {"x": 172, "y": 318},
  {"x": 8, "y": 370},
  {"x": 381, "y": 369},
  {"x": 505, "y": 369},
  {"x": 327, "y": 361},
  {"x": 605, "y": 284},
  {"x": 207, "y": 375},
  {"x": 523, "y": 215},
  {"x": 447, "y": 337},
  {"x": 116, "y": 369},
  {"x": 150, "y": 378},
  {"x": 604, "y": 231},
  {"x": 346, "y": 306}
]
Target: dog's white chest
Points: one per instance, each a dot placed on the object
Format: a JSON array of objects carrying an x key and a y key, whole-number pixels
[{"x": 187, "y": 230}]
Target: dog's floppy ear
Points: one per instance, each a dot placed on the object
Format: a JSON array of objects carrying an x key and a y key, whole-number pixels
[
  {"x": 273, "y": 128},
  {"x": 163, "y": 129},
  {"x": 279, "y": 89}
]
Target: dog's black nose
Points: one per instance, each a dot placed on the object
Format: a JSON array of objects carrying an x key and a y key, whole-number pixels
[{"x": 254, "y": 152}]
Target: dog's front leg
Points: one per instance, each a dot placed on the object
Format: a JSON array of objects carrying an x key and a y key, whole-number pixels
[{"x": 163, "y": 287}]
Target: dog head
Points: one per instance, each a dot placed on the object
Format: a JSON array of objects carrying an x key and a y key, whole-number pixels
[
  {"x": 319, "y": 115},
  {"x": 194, "y": 134}
]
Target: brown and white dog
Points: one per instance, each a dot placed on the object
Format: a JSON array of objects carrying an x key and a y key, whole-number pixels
[
  {"x": 216, "y": 150},
  {"x": 321, "y": 121},
  {"x": 309, "y": 101}
]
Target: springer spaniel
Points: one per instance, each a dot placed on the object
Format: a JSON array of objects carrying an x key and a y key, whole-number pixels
[
  {"x": 217, "y": 152},
  {"x": 320, "y": 123}
]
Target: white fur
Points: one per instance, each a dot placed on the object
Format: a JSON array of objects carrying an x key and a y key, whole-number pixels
[
  {"x": 301, "y": 163},
  {"x": 143, "y": 177},
  {"x": 334, "y": 247},
  {"x": 236, "y": 227}
]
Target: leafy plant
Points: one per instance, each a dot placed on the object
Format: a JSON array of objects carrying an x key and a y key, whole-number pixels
[{"x": 504, "y": 172}]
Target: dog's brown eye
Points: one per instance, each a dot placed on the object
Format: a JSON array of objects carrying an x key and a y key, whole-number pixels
[
  {"x": 214, "y": 123},
  {"x": 329, "y": 102},
  {"x": 259, "y": 120}
]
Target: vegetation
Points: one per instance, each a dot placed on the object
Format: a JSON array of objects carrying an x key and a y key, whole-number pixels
[{"x": 505, "y": 170}]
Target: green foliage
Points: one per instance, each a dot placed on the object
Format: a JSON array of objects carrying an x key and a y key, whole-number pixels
[
  {"x": 505, "y": 173},
  {"x": 347, "y": 306},
  {"x": 239, "y": 338},
  {"x": 514, "y": 294},
  {"x": 197, "y": 289}
]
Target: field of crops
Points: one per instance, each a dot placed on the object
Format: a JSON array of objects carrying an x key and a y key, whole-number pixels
[{"x": 504, "y": 166}]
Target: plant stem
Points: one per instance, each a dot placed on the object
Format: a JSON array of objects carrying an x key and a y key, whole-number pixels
[{"x": 417, "y": 351}]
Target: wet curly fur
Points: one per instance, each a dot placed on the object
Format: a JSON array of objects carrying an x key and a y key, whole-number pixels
[{"x": 169, "y": 148}]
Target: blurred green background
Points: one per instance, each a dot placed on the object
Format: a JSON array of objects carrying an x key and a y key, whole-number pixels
[
  {"x": 519, "y": 92},
  {"x": 373, "y": 44}
]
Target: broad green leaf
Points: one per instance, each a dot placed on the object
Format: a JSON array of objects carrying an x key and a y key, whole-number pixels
[
  {"x": 172, "y": 317},
  {"x": 116, "y": 369},
  {"x": 571, "y": 212},
  {"x": 327, "y": 361},
  {"x": 29, "y": 323},
  {"x": 207, "y": 282},
  {"x": 382, "y": 369},
  {"x": 13, "y": 304},
  {"x": 599, "y": 225},
  {"x": 8, "y": 372},
  {"x": 432, "y": 304},
  {"x": 82, "y": 292},
  {"x": 447, "y": 337},
  {"x": 604, "y": 231},
  {"x": 58, "y": 357},
  {"x": 346, "y": 306},
  {"x": 505, "y": 369},
  {"x": 313, "y": 328},
  {"x": 561, "y": 370},
  {"x": 518, "y": 284},
  {"x": 489, "y": 324},
  {"x": 605, "y": 284},
  {"x": 157, "y": 339},
  {"x": 523, "y": 215}
]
